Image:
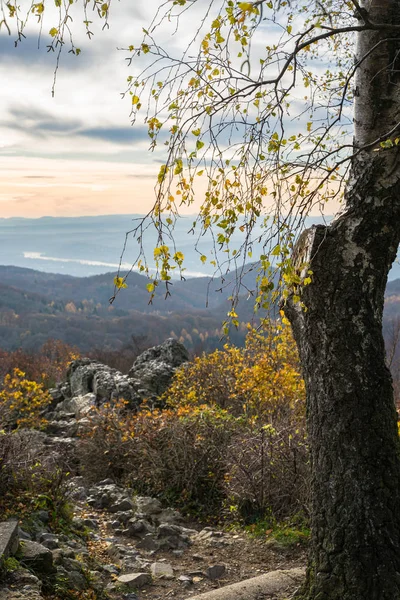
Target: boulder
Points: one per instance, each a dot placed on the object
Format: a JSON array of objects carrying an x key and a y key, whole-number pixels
[
  {"x": 147, "y": 505},
  {"x": 86, "y": 376},
  {"x": 134, "y": 580},
  {"x": 36, "y": 557},
  {"x": 162, "y": 569},
  {"x": 153, "y": 370},
  {"x": 9, "y": 538}
]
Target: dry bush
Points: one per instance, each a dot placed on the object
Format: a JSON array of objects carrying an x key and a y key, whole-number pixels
[
  {"x": 105, "y": 442},
  {"x": 31, "y": 476},
  {"x": 47, "y": 365},
  {"x": 179, "y": 455},
  {"x": 233, "y": 433},
  {"x": 267, "y": 473}
]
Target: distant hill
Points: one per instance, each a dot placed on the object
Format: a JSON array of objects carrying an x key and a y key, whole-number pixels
[{"x": 35, "y": 306}]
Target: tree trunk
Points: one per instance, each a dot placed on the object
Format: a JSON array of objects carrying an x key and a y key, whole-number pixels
[{"x": 351, "y": 417}]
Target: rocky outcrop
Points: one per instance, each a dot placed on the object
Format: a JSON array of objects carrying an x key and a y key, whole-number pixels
[
  {"x": 92, "y": 383},
  {"x": 153, "y": 370}
]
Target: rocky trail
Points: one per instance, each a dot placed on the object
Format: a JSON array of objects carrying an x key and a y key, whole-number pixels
[{"x": 128, "y": 546}]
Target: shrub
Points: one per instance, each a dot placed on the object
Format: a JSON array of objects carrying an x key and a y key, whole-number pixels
[
  {"x": 232, "y": 433},
  {"x": 178, "y": 455},
  {"x": 32, "y": 478},
  {"x": 261, "y": 380},
  {"x": 22, "y": 402},
  {"x": 47, "y": 365},
  {"x": 267, "y": 473}
]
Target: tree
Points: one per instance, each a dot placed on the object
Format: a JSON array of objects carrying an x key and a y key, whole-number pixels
[{"x": 260, "y": 106}]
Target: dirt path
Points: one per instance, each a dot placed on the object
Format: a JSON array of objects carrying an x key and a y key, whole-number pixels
[{"x": 213, "y": 559}]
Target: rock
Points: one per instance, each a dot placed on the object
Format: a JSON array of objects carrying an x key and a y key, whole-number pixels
[
  {"x": 91, "y": 523},
  {"x": 23, "y": 535},
  {"x": 121, "y": 505},
  {"x": 134, "y": 580},
  {"x": 86, "y": 376},
  {"x": 148, "y": 543},
  {"x": 123, "y": 517},
  {"x": 162, "y": 569},
  {"x": 72, "y": 579},
  {"x": 166, "y": 529},
  {"x": 105, "y": 482},
  {"x": 63, "y": 428},
  {"x": 169, "y": 515},
  {"x": 21, "y": 577},
  {"x": 36, "y": 557},
  {"x": 8, "y": 538},
  {"x": 147, "y": 505},
  {"x": 153, "y": 370},
  {"x": 78, "y": 405},
  {"x": 215, "y": 572},
  {"x": 42, "y": 515},
  {"x": 171, "y": 537},
  {"x": 186, "y": 580},
  {"x": 138, "y": 527},
  {"x": 111, "y": 569}
]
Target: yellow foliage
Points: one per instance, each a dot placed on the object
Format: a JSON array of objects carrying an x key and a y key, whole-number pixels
[
  {"x": 22, "y": 402},
  {"x": 261, "y": 380}
]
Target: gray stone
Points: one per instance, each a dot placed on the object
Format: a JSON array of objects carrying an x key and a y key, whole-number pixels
[
  {"x": 166, "y": 529},
  {"x": 138, "y": 527},
  {"x": 42, "y": 515},
  {"x": 153, "y": 370},
  {"x": 86, "y": 376},
  {"x": 148, "y": 505},
  {"x": 121, "y": 505},
  {"x": 23, "y": 535},
  {"x": 8, "y": 538},
  {"x": 215, "y": 572},
  {"x": 51, "y": 544},
  {"x": 134, "y": 580},
  {"x": 148, "y": 543},
  {"x": 73, "y": 579},
  {"x": 36, "y": 557},
  {"x": 169, "y": 515},
  {"x": 104, "y": 482},
  {"x": 21, "y": 577},
  {"x": 91, "y": 523},
  {"x": 162, "y": 569},
  {"x": 112, "y": 569}
]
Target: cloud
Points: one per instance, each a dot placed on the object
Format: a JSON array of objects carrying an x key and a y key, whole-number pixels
[{"x": 117, "y": 135}]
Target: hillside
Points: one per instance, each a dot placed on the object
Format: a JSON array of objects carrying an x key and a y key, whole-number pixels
[{"x": 35, "y": 306}]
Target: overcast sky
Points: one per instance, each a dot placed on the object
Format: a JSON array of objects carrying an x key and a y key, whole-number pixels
[{"x": 76, "y": 153}]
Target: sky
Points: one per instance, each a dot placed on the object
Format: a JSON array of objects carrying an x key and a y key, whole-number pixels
[{"x": 76, "y": 153}]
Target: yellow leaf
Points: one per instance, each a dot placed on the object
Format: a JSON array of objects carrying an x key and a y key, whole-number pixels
[
  {"x": 119, "y": 282},
  {"x": 135, "y": 99}
]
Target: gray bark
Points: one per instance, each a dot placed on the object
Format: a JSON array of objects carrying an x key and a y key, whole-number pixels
[{"x": 351, "y": 418}]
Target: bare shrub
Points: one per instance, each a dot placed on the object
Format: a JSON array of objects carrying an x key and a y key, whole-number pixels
[
  {"x": 32, "y": 476},
  {"x": 267, "y": 472}
]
